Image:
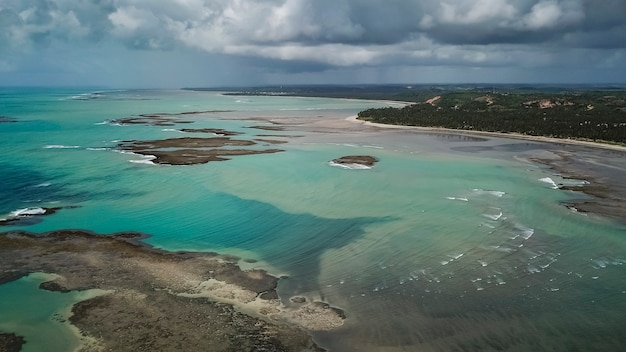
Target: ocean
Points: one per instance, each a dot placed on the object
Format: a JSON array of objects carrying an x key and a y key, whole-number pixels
[{"x": 448, "y": 243}]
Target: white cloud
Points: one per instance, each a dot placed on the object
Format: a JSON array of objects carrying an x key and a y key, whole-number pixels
[
  {"x": 551, "y": 13},
  {"x": 331, "y": 54},
  {"x": 314, "y": 35},
  {"x": 476, "y": 12},
  {"x": 126, "y": 20}
]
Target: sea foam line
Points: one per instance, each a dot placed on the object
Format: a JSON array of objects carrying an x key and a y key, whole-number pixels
[
  {"x": 146, "y": 160},
  {"x": 349, "y": 166},
  {"x": 498, "y": 194},
  {"x": 60, "y": 146},
  {"x": 458, "y": 198},
  {"x": 494, "y": 217},
  {"x": 549, "y": 181},
  {"x": 27, "y": 212},
  {"x": 97, "y": 148}
]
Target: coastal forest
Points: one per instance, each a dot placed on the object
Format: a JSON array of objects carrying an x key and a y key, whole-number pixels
[{"x": 593, "y": 116}]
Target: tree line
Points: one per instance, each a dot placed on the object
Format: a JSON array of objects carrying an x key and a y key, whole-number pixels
[{"x": 589, "y": 116}]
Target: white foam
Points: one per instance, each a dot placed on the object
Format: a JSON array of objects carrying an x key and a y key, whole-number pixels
[
  {"x": 146, "y": 160},
  {"x": 97, "y": 149},
  {"x": 501, "y": 248},
  {"x": 101, "y": 123},
  {"x": 60, "y": 146},
  {"x": 27, "y": 212},
  {"x": 526, "y": 234},
  {"x": 172, "y": 130},
  {"x": 463, "y": 199},
  {"x": 350, "y": 166},
  {"x": 550, "y": 181},
  {"x": 533, "y": 269},
  {"x": 498, "y": 194},
  {"x": 545, "y": 266},
  {"x": 602, "y": 263},
  {"x": 494, "y": 217},
  {"x": 456, "y": 256},
  {"x": 125, "y": 152},
  {"x": 599, "y": 263},
  {"x": 45, "y": 184}
]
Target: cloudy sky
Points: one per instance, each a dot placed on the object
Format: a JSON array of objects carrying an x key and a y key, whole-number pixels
[{"x": 181, "y": 43}]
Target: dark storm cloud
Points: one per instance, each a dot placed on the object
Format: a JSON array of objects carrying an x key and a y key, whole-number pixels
[
  {"x": 306, "y": 35},
  {"x": 568, "y": 23},
  {"x": 218, "y": 24}
]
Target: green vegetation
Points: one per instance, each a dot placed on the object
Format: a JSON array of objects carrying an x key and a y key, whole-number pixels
[{"x": 591, "y": 115}]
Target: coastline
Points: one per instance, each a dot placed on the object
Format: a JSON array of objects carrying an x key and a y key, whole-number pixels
[
  {"x": 606, "y": 192},
  {"x": 226, "y": 298},
  {"x": 354, "y": 119}
]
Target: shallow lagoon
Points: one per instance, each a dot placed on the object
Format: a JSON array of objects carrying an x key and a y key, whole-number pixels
[{"x": 448, "y": 243}]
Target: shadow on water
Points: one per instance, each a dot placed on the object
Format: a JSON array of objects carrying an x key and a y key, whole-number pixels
[
  {"x": 23, "y": 186},
  {"x": 291, "y": 242}
]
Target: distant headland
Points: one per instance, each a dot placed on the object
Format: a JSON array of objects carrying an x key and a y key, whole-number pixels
[{"x": 595, "y": 113}]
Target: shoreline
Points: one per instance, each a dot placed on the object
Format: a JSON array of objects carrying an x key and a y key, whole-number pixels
[
  {"x": 511, "y": 135},
  {"x": 606, "y": 192}
]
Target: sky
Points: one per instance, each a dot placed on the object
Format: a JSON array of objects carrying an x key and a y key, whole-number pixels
[{"x": 212, "y": 43}]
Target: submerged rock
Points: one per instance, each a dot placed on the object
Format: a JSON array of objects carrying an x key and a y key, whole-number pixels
[
  {"x": 10, "y": 342},
  {"x": 297, "y": 299},
  {"x": 28, "y": 216},
  {"x": 159, "y": 300},
  {"x": 364, "y": 160},
  {"x": 6, "y": 119},
  {"x": 191, "y": 150}
]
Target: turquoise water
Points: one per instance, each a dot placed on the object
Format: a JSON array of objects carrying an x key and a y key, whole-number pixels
[
  {"x": 448, "y": 243},
  {"x": 40, "y": 316}
]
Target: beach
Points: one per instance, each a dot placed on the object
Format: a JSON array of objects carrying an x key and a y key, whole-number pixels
[{"x": 621, "y": 148}]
